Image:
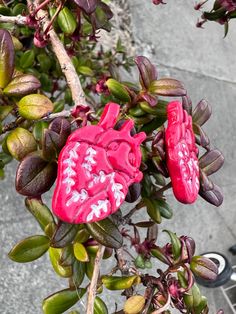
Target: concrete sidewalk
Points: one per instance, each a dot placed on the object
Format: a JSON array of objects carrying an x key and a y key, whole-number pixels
[{"x": 206, "y": 63}]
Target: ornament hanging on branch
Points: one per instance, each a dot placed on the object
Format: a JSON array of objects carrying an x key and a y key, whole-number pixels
[
  {"x": 182, "y": 152},
  {"x": 96, "y": 168}
]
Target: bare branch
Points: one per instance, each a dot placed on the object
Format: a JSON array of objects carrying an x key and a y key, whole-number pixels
[
  {"x": 67, "y": 67},
  {"x": 93, "y": 285},
  {"x": 18, "y": 20}
]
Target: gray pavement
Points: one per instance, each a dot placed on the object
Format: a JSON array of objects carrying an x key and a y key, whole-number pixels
[{"x": 205, "y": 62}]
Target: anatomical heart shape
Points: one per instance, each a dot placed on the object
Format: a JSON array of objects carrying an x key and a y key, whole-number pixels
[
  {"x": 182, "y": 154},
  {"x": 95, "y": 169}
]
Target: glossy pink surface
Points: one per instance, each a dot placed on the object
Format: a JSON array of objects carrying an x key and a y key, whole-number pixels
[
  {"x": 182, "y": 161},
  {"x": 95, "y": 169}
]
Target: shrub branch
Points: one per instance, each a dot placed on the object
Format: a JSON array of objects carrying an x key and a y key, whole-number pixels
[
  {"x": 93, "y": 285},
  {"x": 67, "y": 67}
]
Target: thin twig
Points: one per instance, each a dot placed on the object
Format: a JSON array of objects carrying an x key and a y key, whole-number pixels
[
  {"x": 67, "y": 67},
  {"x": 63, "y": 113},
  {"x": 93, "y": 285},
  {"x": 18, "y": 20},
  {"x": 160, "y": 192},
  {"x": 165, "y": 307}
]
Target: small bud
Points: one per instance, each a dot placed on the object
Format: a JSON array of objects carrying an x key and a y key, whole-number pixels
[{"x": 204, "y": 268}]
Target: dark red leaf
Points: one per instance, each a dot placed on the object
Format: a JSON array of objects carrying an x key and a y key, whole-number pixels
[
  {"x": 147, "y": 71},
  {"x": 88, "y": 6},
  {"x": 34, "y": 175}
]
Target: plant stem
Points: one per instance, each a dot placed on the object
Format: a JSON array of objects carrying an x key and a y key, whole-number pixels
[
  {"x": 19, "y": 19},
  {"x": 163, "y": 189},
  {"x": 67, "y": 67},
  {"x": 165, "y": 307},
  {"x": 93, "y": 285}
]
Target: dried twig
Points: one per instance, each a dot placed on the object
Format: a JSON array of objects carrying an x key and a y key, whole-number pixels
[
  {"x": 93, "y": 285},
  {"x": 18, "y": 20},
  {"x": 67, "y": 67}
]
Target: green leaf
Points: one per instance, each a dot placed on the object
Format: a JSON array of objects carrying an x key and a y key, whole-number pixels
[
  {"x": 158, "y": 110},
  {"x": 82, "y": 235},
  {"x": 55, "y": 258},
  {"x": 201, "y": 306},
  {"x": 67, "y": 256},
  {"x": 118, "y": 90},
  {"x": 78, "y": 273},
  {"x": 165, "y": 209},
  {"x": 85, "y": 70},
  {"x": 17, "y": 44},
  {"x": 159, "y": 254},
  {"x": 19, "y": 8},
  {"x": 20, "y": 143},
  {"x": 45, "y": 62},
  {"x": 6, "y": 58},
  {"x": 35, "y": 106},
  {"x": 64, "y": 234},
  {"x": 40, "y": 211},
  {"x": 153, "y": 210},
  {"x": 176, "y": 244},
  {"x": 106, "y": 233},
  {"x": 22, "y": 85},
  {"x": 99, "y": 306},
  {"x": 29, "y": 249},
  {"x": 5, "y": 158},
  {"x": 89, "y": 266},
  {"x": 134, "y": 305},
  {"x": 136, "y": 111},
  {"x": 4, "y": 111},
  {"x": 66, "y": 21},
  {"x": 27, "y": 59},
  {"x": 80, "y": 252},
  {"x": 34, "y": 175},
  {"x": 61, "y": 301},
  {"x": 4, "y": 10},
  {"x": 38, "y": 130},
  {"x": 193, "y": 297},
  {"x": 120, "y": 283}
]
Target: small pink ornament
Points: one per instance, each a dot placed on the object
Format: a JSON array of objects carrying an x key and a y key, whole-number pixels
[
  {"x": 182, "y": 161},
  {"x": 95, "y": 169}
]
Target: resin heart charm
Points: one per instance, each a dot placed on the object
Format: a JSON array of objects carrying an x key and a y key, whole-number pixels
[
  {"x": 182, "y": 152},
  {"x": 95, "y": 169}
]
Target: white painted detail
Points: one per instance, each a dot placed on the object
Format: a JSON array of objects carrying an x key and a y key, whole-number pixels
[
  {"x": 102, "y": 206},
  {"x": 89, "y": 160},
  {"x": 69, "y": 171},
  {"x": 77, "y": 196},
  {"x": 116, "y": 188}
]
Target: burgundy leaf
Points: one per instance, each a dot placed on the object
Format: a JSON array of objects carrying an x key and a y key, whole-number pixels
[
  {"x": 6, "y": 57},
  {"x": 88, "y": 6},
  {"x": 211, "y": 161},
  {"x": 147, "y": 71},
  {"x": 22, "y": 85},
  {"x": 214, "y": 196},
  {"x": 34, "y": 175},
  {"x": 201, "y": 112}
]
